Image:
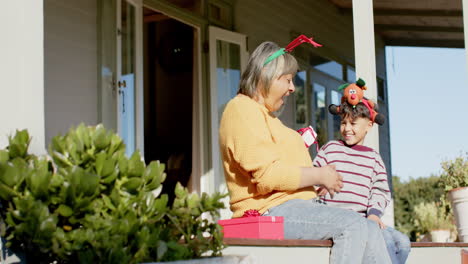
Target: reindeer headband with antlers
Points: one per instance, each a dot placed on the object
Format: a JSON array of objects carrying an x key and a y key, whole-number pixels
[{"x": 296, "y": 42}]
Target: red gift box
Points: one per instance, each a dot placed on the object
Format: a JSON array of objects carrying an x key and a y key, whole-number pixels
[{"x": 260, "y": 227}]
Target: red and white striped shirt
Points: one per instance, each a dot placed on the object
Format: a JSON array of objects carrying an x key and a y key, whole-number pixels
[{"x": 365, "y": 186}]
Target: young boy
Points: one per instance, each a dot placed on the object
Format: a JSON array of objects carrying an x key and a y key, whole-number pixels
[{"x": 365, "y": 189}]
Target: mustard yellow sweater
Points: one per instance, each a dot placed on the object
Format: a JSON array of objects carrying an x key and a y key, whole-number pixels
[{"x": 262, "y": 158}]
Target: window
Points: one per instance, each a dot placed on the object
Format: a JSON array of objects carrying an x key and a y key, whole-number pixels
[
  {"x": 320, "y": 112},
  {"x": 351, "y": 74},
  {"x": 228, "y": 73},
  {"x": 327, "y": 66},
  {"x": 301, "y": 119},
  {"x": 336, "y": 120},
  {"x": 381, "y": 89}
]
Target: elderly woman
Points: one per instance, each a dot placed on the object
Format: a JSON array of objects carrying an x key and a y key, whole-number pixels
[{"x": 267, "y": 167}]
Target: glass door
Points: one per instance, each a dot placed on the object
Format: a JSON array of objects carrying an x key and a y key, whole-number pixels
[
  {"x": 121, "y": 95},
  {"x": 228, "y": 57},
  {"x": 300, "y": 101},
  {"x": 324, "y": 92},
  {"x": 128, "y": 72}
]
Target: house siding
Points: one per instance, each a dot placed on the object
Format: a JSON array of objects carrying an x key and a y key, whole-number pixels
[
  {"x": 71, "y": 70},
  {"x": 277, "y": 21}
]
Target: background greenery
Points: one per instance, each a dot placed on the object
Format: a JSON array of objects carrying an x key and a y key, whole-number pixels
[
  {"x": 422, "y": 204},
  {"x": 407, "y": 195}
]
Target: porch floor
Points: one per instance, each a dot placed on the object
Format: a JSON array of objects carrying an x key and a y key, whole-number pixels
[{"x": 318, "y": 251}]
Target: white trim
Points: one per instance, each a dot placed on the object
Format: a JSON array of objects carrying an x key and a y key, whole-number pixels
[
  {"x": 118, "y": 60},
  {"x": 364, "y": 49},
  {"x": 171, "y": 15},
  {"x": 212, "y": 181},
  {"x": 22, "y": 71},
  {"x": 139, "y": 89},
  {"x": 198, "y": 122},
  {"x": 228, "y": 36}
]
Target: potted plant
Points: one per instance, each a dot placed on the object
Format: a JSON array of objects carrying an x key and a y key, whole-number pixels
[
  {"x": 86, "y": 202},
  {"x": 455, "y": 180},
  {"x": 432, "y": 218}
]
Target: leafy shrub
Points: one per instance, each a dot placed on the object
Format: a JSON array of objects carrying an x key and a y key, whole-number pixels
[
  {"x": 455, "y": 173},
  {"x": 409, "y": 194},
  {"x": 89, "y": 203},
  {"x": 432, "y": 216}
]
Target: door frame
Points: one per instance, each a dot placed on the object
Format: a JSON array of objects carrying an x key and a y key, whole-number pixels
[{"x": 199, "y": 122}]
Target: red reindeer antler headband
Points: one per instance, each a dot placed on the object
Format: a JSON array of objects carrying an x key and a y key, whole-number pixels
[{"x": 296, "y": 42}]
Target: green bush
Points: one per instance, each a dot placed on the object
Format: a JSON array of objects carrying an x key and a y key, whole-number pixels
[
  {"x": 432, "y": 216},
  {"x": 409, "y": 194},
  {"x": 455, "y": 173},
  {"x": 88, "y": 203}
]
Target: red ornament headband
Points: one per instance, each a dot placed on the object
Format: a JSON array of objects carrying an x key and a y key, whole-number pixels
[{"x": 354, "y": 94}]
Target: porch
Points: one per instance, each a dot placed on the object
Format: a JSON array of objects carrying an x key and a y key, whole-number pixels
[
  {"x": 58, "y": 98},
  {"x": 318, "y": 251}
]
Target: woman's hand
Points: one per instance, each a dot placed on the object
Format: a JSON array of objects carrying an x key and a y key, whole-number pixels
[
  {"x": 325, "y": 176},
  {"x": 377, "y": 220},
  {"x": 331, "y": 180}
]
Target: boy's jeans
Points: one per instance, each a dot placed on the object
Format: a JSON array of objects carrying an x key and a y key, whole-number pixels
[
  {"x": 398, "y": 245},
  {"x": 355, "y": 240}
]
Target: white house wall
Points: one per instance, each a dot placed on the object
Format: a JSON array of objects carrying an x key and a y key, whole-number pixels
[
  {"x": 71, "y": 69},
  {"x": 276, "y": 20},
  {"x": 21, "y": 71}
]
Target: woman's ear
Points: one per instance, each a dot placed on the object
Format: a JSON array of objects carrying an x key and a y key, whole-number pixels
[{"x": 260, "y": 90}]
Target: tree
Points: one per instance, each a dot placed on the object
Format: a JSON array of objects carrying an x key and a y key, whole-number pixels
[{"x": 409, "y": 194}]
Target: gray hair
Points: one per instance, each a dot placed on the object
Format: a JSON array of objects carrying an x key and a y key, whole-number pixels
[{"x": 258, "y": 77}]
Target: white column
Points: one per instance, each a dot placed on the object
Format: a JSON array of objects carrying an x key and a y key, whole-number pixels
[
  {"x": 364, "y": 53},
  {"x": 465, "y": 26},
  {"x": 22, "y": 71}
]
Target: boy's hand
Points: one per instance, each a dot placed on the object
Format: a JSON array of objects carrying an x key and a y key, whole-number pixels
[
  {"x": 321, "y": 191},
  {"x": 331, "y": 180},
  {"x": 378, "y": 220}
]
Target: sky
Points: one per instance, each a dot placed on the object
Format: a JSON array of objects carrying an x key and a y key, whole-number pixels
[{"x": 428, "y": 108}]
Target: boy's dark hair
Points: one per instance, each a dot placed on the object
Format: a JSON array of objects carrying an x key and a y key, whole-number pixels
[{"x": 353, "y": 112}]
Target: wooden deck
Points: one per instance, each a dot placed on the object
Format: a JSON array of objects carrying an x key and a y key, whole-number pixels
[
  {"x": 302, "y": 251},
  {"x": 318, "y": 243}
]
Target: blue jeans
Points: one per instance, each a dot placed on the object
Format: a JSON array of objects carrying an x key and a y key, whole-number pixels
[
  {"x": 398, "y": 245},
  {"x": 355, "y": 240}
]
